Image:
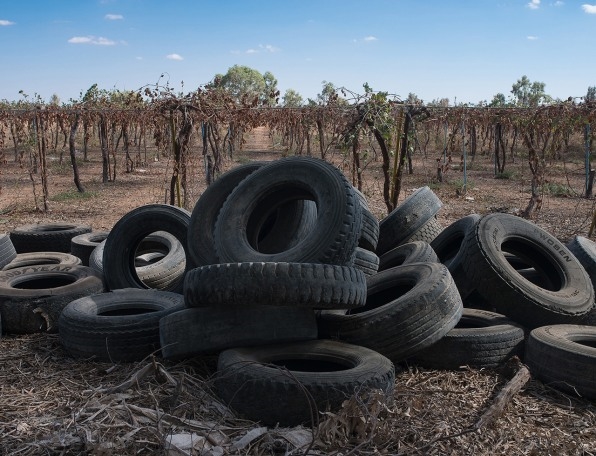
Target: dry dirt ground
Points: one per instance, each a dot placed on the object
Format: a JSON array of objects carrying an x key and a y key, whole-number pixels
[{"x": 51, "y": 404}]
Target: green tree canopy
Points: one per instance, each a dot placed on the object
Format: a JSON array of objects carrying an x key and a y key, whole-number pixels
[
  {"x": 242, "y": 81},
  {"x": 292, "y": 99},
  {"x": 529, "y": 94}
]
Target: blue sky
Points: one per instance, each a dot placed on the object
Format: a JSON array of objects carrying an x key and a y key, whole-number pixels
[{"x": 463, "y": 50}]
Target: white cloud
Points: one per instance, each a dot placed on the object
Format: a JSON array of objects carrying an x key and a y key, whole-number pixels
[
  {"x": 370, "y": 38},
  {"x": 534, "y": 4},
  {"x": 5, "y": 22},
  {"x": 589, "y": 9},
  {"x": 113, "y": 17},
  {"x": 532, "y": 38},
  {"x": 90, "y": 39},
  {"x": 174, "y": 57},
  {"x": 559, "y": 3},
  {"x": 262, "y": 48}
]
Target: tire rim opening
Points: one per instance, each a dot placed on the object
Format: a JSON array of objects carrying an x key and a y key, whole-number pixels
[
  {"x": 548, "y": 274},
  {"x": 126, "y": 311},
  {"x": 383, "y": 297},
  {"x": 42, "y": 283},
  {"x": 310, "y": 365}
]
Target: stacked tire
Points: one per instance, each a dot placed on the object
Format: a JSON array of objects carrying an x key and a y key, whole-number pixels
[{"x": 273, "y": 243}]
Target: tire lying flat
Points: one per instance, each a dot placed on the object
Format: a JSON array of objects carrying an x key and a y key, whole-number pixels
[
  {"x": 480, "y": 339},
  {"x": 311, "y": 285},
  {"x": 564, "y": 357},
  {"x": 286, "y": 384},
  {"x": 204, "y": 330},
  {"x": 33, "y": 297},
  {"x": 118, "y": 326},
  {"x": 46, "y": 237}
]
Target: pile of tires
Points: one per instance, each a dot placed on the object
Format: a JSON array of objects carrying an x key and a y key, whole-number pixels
[{"x": 282, "y": 271}]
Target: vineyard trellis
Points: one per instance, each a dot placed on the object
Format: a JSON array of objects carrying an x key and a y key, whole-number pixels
[{"x": 210, "y": 125}]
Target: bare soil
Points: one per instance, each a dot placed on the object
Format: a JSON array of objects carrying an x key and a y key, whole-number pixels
[{"x": 51, "y": 404}]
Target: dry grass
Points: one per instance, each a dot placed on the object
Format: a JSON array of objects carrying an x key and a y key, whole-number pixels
[{"x": 51, "y": 404}]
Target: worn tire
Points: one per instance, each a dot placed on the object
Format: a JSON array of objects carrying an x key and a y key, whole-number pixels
[
  {"x": 288, "y": 384},
  {"x": 408, "y": 308},
  {"x": 198, "y": 331},
  {"x": 312, "y": 285},
  {"x": 82, "y": 246},
  {"x": 334, "y": 235},
  {"x": 129, "y": 232},
  {"x": 366, "y": 261},
  {"x": 411, "y": 252},
  {"x": 48, "y": 237},
  {"x": 448, "y": 246},
  {"x": 564, "y": 356},
  {"x": 369, "y": 233},
  {"x": 499, "y": 283},
  {"x": 41, "y": 259},
  {"x": 7, "y": 250},
  {"x": 480, "y": 339},
  {"x": 401, "y": 225},
  {"x": 32, "y": 297},
  {"x": 118, "y": 326},
  {"x": 201, "y": 245}
]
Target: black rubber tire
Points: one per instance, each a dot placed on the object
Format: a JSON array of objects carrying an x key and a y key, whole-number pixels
[
  {"x": 82, "y": 246},
  {"x": 41, "y": 259},
  {"x": 407, "y": 218},
  {"x": 448, "y": 246},
  {"x": 480, "y": 339},
  {"x": 486, "y": 266},
  {"x": 32, "y": 297},
  {"x": 201, "y": 245},
  {"x": 369, "y": 233},
  {"x": 49, "y": 237},
  {"x": 366, "y": 261},
  {"x": 208, "y": 330},
  {"x": 118, "y": 326},
  {"x": 334, "y": 236},
  {"x": 408, "y": 308},
  {"x": 128, "y": 233},
  {"x": 7, "y": 250},
  {"x": 584, "y": 250},
  {"x": 288, "y": 384},
  {"x": 427, "y": 232},
  {"x": 411, "y": 252},
  {"x": 312, "y": 285},
  {"x": 564, "y": 356}
]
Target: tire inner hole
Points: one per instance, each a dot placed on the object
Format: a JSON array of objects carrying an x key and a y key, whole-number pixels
[
  {"x": 126, "y": 311},
  {"x": 43, "y": 283},
  {"x": 382, "y": 297},
  {"x": 533, "y": 264}
]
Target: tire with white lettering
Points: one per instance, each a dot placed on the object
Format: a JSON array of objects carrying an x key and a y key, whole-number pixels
[
  {"x": 289, "y": 384},
  {"x": 46, "y": 237},
  {"x": 448, "y": 247},
  {"x": 127, "y": 235},
  {"x": 399, "y": 226},
  {"x": 32, "y": 297},
  {"x": 411, "y": 252},
  {"x": 42, "y": 259},
  {"x": 480, "y": 339},
  {"x": 207, "y": 330},
  {"x": 564, "y": 356},
  {"x": 408, "y": 308},
  {"x": 7, "y": 250},
  {"x": 83, "y": 245},
  {"x": 585, "y": 251},
  {"x": 485, "y": 264},
  {"x": 117, "y": 326},
  {"x": 334, "y": 234}
]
